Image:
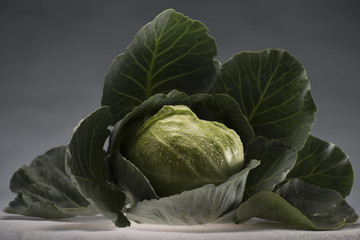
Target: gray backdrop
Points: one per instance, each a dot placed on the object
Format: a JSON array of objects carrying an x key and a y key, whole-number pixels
[{"x": 54, "y": 55}]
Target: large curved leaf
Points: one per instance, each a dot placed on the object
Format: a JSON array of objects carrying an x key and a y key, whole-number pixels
[
  {"x": 270, "y": 206},
  {"x": 325, "y": 165},
  {"x": 197, "y": 206},
  {"x": 273, "y": 91},
  {"x": 324, "y": 207},
  {"x": 299, "y": 205},
  {"x": 276, "y": 160},
  {"x": 131, "y": 180},
  {"x": 223, "y": 108},
  {"x": 44, "y": 190},
  {"x": 171, "y": 52},
  {"x": 85, "y": 164}
]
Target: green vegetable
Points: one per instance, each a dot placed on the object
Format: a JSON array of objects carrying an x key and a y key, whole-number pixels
[
  {"x": 177, "y": 151},
  {"x": 44, "y": 189},
  {"x": 182, "y": 139}
]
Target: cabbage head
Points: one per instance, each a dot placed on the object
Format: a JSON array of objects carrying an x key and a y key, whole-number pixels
[
  {"x": 177, "y": 151},
  {"x": 182, "y": 139}
]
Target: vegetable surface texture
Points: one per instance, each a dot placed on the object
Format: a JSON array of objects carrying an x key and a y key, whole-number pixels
[
  {"x": 177, "y": 151},
  {"x": 182, "y": 139}
]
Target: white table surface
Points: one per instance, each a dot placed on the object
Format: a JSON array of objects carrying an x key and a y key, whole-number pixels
[{"x": 97, "y": 227}]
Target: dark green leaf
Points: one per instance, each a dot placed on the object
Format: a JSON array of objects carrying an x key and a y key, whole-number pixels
[
  {"x": 29, "y": 204},
  {"x": 44, "y": 190},
  {"x": 85, "y": 163},
  {"x": 132, "y": 181},
  {"x": 326, "y": 208},
  {"x": 301, "y": 205},
  {"x": 324, "y": 164},
  {"x": 171, "y": 52},
  {"x": 197, "y": 206},
  {"x": 270, "y": 206},
  {"x": 273, "y": 92},
  {"x": 223, "y": 108},
  {"x": 276, "y": 161}
]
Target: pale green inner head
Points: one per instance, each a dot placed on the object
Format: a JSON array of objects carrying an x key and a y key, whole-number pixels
[{"x": 177, "y": 151}]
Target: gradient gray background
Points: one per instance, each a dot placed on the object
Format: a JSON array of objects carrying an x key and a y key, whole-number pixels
[{"x": 54, "y": 55}]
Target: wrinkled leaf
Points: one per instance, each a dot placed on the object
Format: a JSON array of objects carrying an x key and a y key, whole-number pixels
[
  {"x": 273, "y": 92},
  {"x": 44, "y": 190},
  {"x": 171, "y": 52},
  {"x": 197, "y": 206},
  {"x": 324, "y": 164},
  {"x": 276, "y": 161},
  {"x": 223, "y": 108},
  {"x": 301, "y": 205},
  {"x": 85, "y": 163},
  {"x": 29, "y": 204}
]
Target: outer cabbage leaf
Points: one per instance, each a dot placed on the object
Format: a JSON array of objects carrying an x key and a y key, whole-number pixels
[
  {"x": 197, "y": 206},
  {"x": 300, "y": 205},
  {"x": 223, "y": 108},
  {"x": 325, "y": 207},
  {"x": 171, "y": 52},
  {"x": 273, "y": 92},
  {"x": 271, "y": 206},
  {"x": 44, "y": 190},
  {"x": 85, "y": 163},
  {"x": 324, "y": 164},
  {"x": 203, "y": 105},
  {"x": 131, "y": 180},
  {"x": 276, "y": 161}
]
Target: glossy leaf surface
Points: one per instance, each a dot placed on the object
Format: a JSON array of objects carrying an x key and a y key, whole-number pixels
[
  {"x": 171, "y": 52},
  {"x": 299, "y": 205},
  {"x": 324, "y": 164},
  {"x": 273, "y": 92},
  {"x": 326, "y": 208}
]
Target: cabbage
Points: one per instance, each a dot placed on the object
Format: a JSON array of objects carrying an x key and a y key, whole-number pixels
[
  {"x": 182, "y": 139},
  {"x": 177, "y": 151}
]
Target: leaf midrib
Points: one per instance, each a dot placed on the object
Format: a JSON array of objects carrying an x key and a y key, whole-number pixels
[
  {"x": 263, "y": 93},
  {"x": 153, "y": 59}
]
